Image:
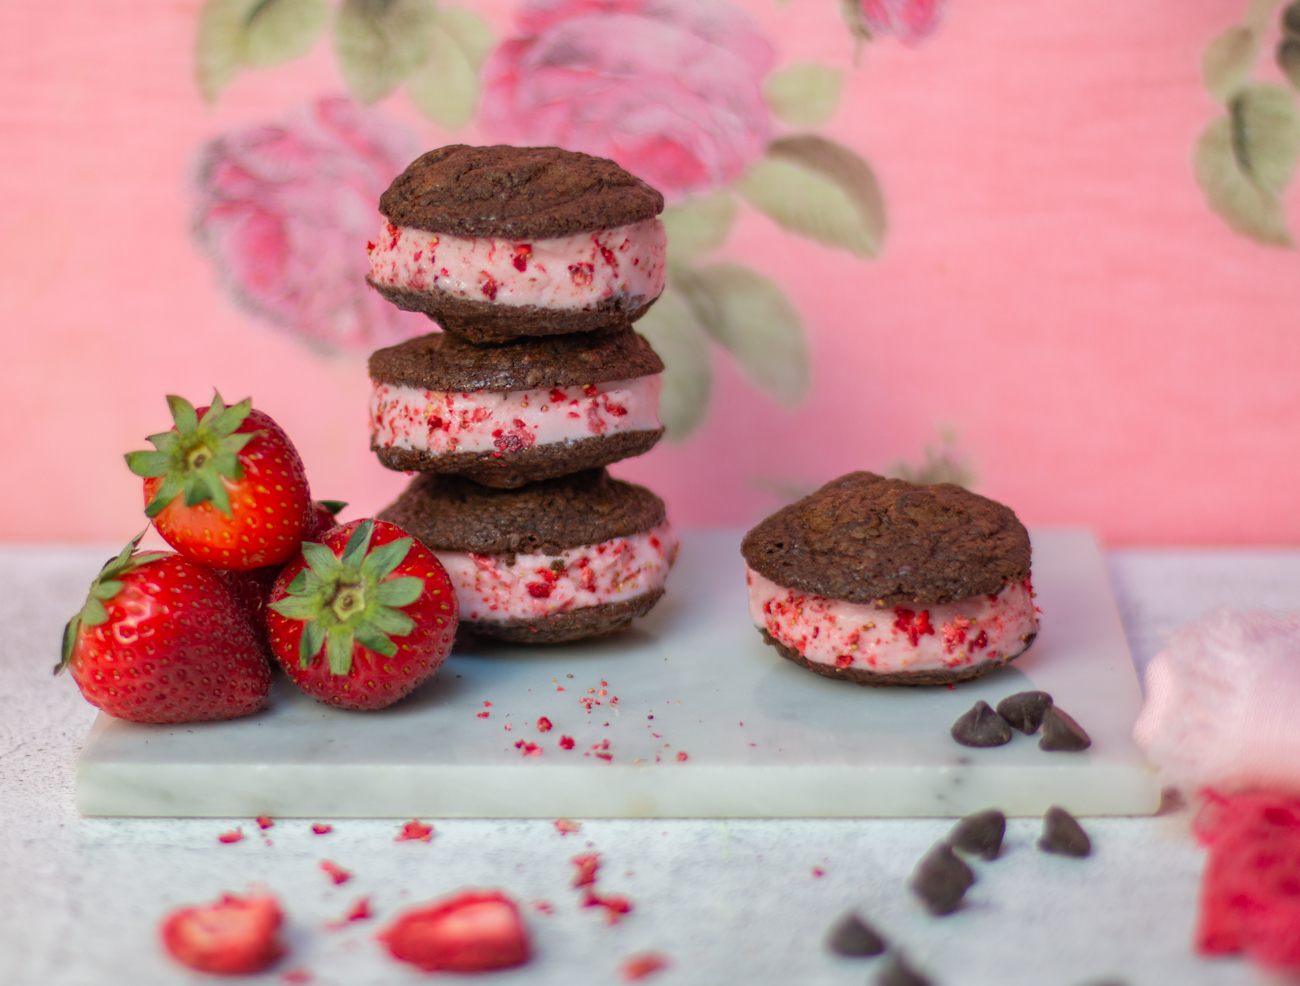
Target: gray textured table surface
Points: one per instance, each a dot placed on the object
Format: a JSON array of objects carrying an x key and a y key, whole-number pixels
[{"x": 726, "y": 902}]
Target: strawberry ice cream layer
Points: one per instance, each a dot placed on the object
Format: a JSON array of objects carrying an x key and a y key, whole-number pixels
[
  {"x": 509, "y": 421},
  {"x": 491, "y": 588},
  {"x": 858, "y": 635},
  {"x": 563, "y": 272}
]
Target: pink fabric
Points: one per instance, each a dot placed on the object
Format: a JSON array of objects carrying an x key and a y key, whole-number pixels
[
  {"x": 285, "y": 212},
  {"x": 670, "y": 89},
  {"x": 1221, "y": 704},
  {"x": 910, "y": 20}
]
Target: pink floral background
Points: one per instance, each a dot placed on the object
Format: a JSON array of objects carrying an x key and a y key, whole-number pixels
[{"x": 1053, "y": 287}]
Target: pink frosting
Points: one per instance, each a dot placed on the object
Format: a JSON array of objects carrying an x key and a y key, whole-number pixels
[
  {"x": 494, "y": 588},
  {"x": 858, "y": 635},
  {"x": 564, "y": 272},
  {"x": 508, "y": 421},
  {"x": 1221, "y": 703}
]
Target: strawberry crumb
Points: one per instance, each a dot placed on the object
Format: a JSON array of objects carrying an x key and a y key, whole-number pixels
[
  {"x": 487, "y": 705},
  {"x": 615, "y": 905},
  {"x": 227, "y": 837},
  {"x": 564, "y": 826},
  {"x": 508, "y": 727},
  {"x": 322, "y": 828},
  {"x": 607, "y": 757},
  {"x": 482, "y": 715},
  {"x": 529, "y": 749},
  {"x": 543, "y": 906},
  {"x": 818, "y": 871},
  {"x": 587, "y": 863},
  {"x": 566, "y": 742},
  {"x": 415, "y": 831},
  {"x": 298, "y": 975},
  {"x": 543, "y": 725},
  {"x": 639, "y": 966},
  {"x": 336, "y": 872},
  {"x": 682, "y": 755},
  {"x": 264, "y": 821},
  {"x": 360, "y": 911}
]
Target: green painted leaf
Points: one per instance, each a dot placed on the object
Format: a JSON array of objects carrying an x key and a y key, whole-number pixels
[
  {"x": 750, "y": 317},
  {"x": 820, "y": 189},
  {"x": 470, "y": 31},
  {"x": 219, "y": 45},
  {"x": 677, "y": 337},
  {"x": 1288, "y": 60},
  {"x": 1246, "y": 207},
  {"x": 1228, "y": 60},
  {"x": 698, "y": 225},
  {"x": 803, "y": 95},
  {"x": 400, "y": 592},
  {"x": 1266, "y": 135},
  {"x": 381, "y": 42},
  {"x": 445, "y": 87},
  {"x": 277, "y": 31}
]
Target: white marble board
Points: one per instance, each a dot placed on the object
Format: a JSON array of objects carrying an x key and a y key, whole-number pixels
[{"x": 762, "y": 737}]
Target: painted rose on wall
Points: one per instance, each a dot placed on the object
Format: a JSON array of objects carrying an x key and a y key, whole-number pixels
[
  {"x": 670, "y": 89},
  {"x": 284, "y": 211}
]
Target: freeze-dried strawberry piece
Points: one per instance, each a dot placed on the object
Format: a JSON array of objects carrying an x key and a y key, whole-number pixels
[
  {"x": 639, "y": 966},
  {"x": 564, "y": 826},
  {"x": 264, "y": 822},
  {"x": 322, "y": 828},
  {"x": 1250, "y": 891},
  {"x": 234, "y": 835},
  {"x": 298, "y": 975},
  {"x": 336, "y": 872},
  {"x": 473, "y": 931},
  {"x": 360, "y": 911},
  {"x": 415, "y": 831},
  {"x": 682, "y": 756},
  {"x": 615, "y": 905},
  {"x": 233, "y": 936},
  {"x": 543, "y": 724},
  {"x": 587, "y": 863},
  {"x": 566, "y": 742}
]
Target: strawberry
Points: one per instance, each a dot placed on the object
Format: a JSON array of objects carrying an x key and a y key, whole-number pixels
[
  {"x": 246, "y": 503},
  {"x": 335, "y": 610},
  {"x": 473, "y": 931},
  {"x": 161, "y": 639},
  {"x": 235, "y": 935},
  {"x": 252, "y": 589}
]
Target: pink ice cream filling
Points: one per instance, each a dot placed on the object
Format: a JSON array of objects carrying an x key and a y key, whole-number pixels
[
  {"x": 495, "y": 588},
  {"x": 510, "y": 421},
  {"x": 947, "y": 636},
  {"x": 626, "y": 264}
]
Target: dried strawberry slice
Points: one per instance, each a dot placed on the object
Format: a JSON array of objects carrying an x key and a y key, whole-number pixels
[
  {"x": 236, "y": 935},
  {"x": 472, "y": 931}
]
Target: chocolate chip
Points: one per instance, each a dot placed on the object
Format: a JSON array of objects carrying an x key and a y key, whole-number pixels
[
  {"x": 980, "y": 834},
  {"x": 1063, "y": 835},
  {"x": 853, "y": 936},
  {"x": 896, "y": 972},
  {"x": 1024, "y": 710},
  {"x": 1060, "y": 732},
  {"x": 981, "y": 726},
  {"x": 941, "y": 879}
]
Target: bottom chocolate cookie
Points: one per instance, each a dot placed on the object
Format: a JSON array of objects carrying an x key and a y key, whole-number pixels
[
  {"x": 574, "y": 624},
  {"x": 928, "y": 676}
]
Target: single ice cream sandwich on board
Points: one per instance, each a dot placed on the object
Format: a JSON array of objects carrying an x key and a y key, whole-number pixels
[
  {"x": 563, "y": 559},
  {"x": 499, "y": 242},
  {"x": 518, "y": 412},
  {"x": 884, "y": 582}
]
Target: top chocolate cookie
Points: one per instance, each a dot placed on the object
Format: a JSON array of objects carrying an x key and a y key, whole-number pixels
[
  {"x": 516, "y": 193},
  {"x": 863, "y": 538}
]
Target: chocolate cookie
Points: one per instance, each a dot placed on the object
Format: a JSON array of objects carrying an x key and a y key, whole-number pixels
[
  {"x": 528, "y": 241},
  {"x": 563, "y": 559},
  {"x": 519, "y": 193},
  {"x": 883, "y": 582},
  {"x": 510, "y": 414}
]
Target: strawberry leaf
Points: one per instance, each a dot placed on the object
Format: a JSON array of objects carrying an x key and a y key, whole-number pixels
[
  {"x": 313, "y": 638},
  {"x": 93, "y": 613},
  {"x": 106, "y": 590},
  {"x": 171, "y": 487},
  {"x": 380, "y": 562},
  {"x": 333, "y": 506},
  {"x": 297, "y": 607},
  {"x": 338, "y": 650},
  {"x": 148, "y": 464},
  {"x": 358, "y": 544},
  {"x": 392, "y": 621},
  {"x": 374, "y": 638},
  {"x": 227, "y": 464},
  {"x": 183, "y": 413},
  {"x": 399, "y": 592},
  {"x": 324, "y": 563}
]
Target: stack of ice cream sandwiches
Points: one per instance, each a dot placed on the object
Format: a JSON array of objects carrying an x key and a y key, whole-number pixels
[{"x": 535, "y": 262}]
